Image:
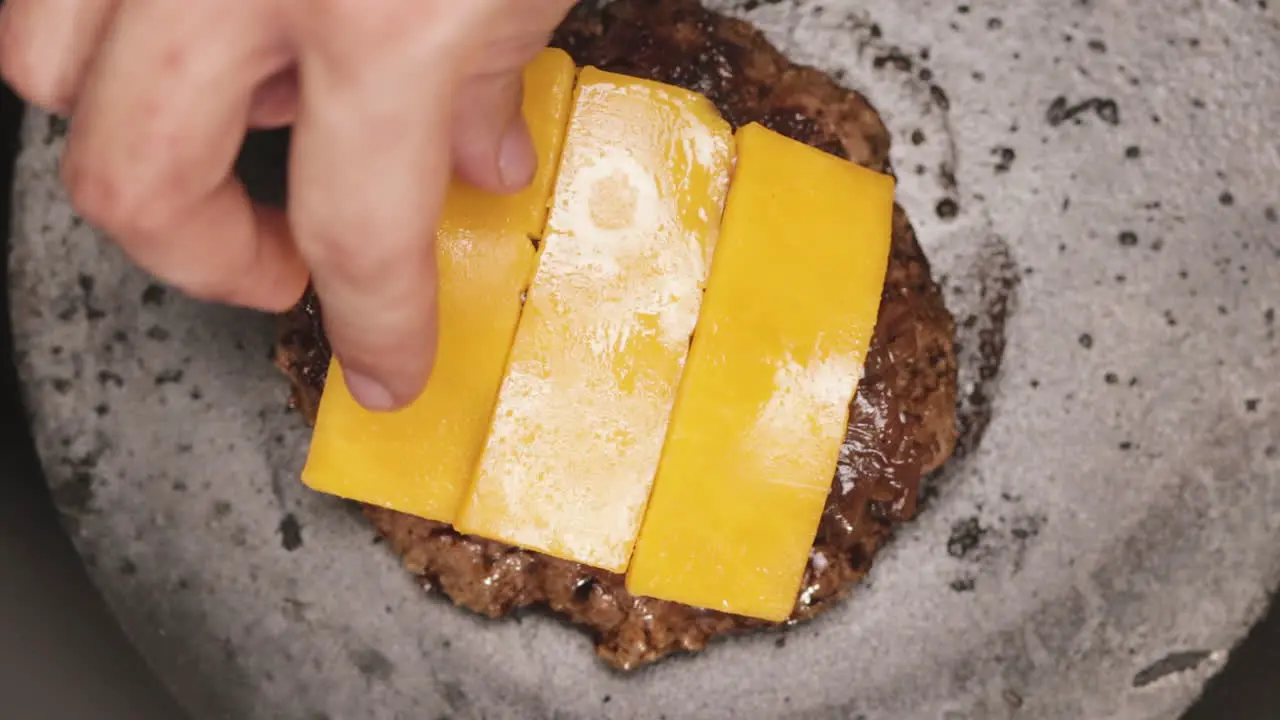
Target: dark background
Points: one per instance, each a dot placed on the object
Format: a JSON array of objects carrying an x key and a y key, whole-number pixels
[{"x": 62, "y": 656}]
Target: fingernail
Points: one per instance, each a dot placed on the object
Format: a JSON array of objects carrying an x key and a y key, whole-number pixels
[
  {"x": 370, "y": 393},
  {"x": 517, "y": 161}
]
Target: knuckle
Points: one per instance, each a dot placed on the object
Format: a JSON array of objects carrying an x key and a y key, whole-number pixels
[
  {"x": 379, "y": 26},
  {"x": 354, "y": 261},
  {"x": 117, "y": 199},
  {"x": 354, "y": 14},
  {"x": 101, "y": 196}
]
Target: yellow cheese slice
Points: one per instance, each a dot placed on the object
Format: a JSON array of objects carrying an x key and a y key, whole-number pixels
[
  {"x": 775, "y": 362},
  {"x": 581, "y": 417},
  {"x": 420, "y": 460}
]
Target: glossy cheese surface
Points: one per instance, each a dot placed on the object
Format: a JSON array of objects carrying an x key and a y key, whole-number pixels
[
  {"x": 763, "y": 406},
  {"x": 597, "y": 358},
  {"x": 420, "y": 460}
]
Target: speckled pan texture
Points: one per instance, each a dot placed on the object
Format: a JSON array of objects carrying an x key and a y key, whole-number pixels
[{"x": 1097, "y": 181}]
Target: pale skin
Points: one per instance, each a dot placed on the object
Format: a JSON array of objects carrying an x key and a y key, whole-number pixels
[{"x": 388, "y": 100}]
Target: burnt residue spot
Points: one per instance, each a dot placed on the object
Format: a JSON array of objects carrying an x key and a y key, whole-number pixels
[
  {"x": 1251, "y": 405},
  {"x": 157, "y": 333},
  {"x": 128, "y": 568},
  {"x": 1108, "y": 111},
  {"x": 290, "y": 532},
  {"x": 980, "y": 344},
  {"x": 62, "y": 386},
  {"x": 1111, "y": 378},
  {"x": 74, "y": 496},
  {"x": 1126, "y": 445},
  {"x": 750, "y": 5},
  {"x": 947, "y": 176},
  {"x": 169, "y": 377},
  {"x": 964, "y": 584},
  {"x": 1004, "y": 158},
  {"x": 221, "y": 509},
  {"x": 1271, "y": 214},
  {"x": 1097, "y": 46},
  {"x": 940, "y": 98},
  {"x": 966, "y": 536},
  {"x": 454, "y": 696},
  {"x": 154, "y": 295},
  {"x": 1226, "y": 199},
  {"x": 1133, "y": 152},
  {"x": 780, "y": 642},
  {"x": 1061, "y": 110},
  {"x": 1128, "y": 238},
  {"x": 101, "y": 409},
  {"x": 894, "y": 58},
  {"x": 917, "y": 137},
  {"x": 947, "y": 208},
  {"x": 1086, "y": 341},
  {"x": 1027, "y": 527},
  {"x": 372, "y": 664},
  {"x": 55, "y": 128},
  {"x": 91, "y": 311},
  {"x": 1170, "y": 664}
]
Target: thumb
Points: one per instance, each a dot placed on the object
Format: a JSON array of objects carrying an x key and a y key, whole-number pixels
[
  {"x": 491, "y": 146},
  {"x": 492, "y": 149}
]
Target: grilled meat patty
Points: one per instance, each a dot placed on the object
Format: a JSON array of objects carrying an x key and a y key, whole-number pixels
[{"x": 902, "y": 424}]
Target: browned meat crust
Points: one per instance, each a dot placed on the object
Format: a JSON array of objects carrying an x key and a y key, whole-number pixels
[{"x": 903, "y": 420}]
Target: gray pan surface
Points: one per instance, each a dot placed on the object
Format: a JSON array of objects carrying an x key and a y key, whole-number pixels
[{"x": 1112, "y": 232}]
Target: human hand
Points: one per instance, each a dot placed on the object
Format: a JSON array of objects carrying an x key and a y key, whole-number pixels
[{"x": 386, "y": 97}]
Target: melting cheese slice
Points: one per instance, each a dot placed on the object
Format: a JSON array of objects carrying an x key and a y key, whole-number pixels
[
  {"x": 597, "y": 358},
  {"x": 420, "y": 460},
  {"x": 764, "y": 403}
]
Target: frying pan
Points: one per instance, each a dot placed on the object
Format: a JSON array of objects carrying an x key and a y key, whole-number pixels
[{"x": 1125, "y": 491}]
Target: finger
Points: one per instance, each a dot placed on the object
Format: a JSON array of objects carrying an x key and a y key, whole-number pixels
[
  {"x": 491, "y": 144},
  {"x": 149, "y": 159},
  {"x": 369, "y": 167},
  {"x": 275, "y": 101},
  {"x": 46, "y": 46},
  {"x": 225, "y": 249}
]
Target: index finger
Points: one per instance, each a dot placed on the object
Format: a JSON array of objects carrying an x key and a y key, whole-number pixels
[
  {"x": 369, "y": 168},
  {"x": 151, "y": 150}
]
